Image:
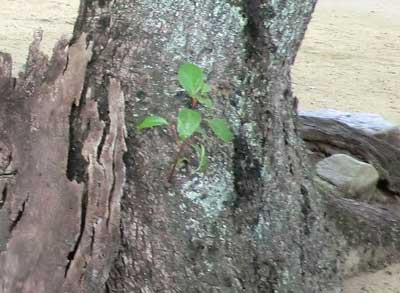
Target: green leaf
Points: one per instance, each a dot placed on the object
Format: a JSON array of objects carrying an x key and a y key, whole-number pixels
[
  {"x": 191, "y": 78},
  {"x": 151, "y": 121},
  {"x": 205, "y": 88},
  {"x": 204, "y": 101},
  {"x": 202, "y": 157},
  {"x": 201, "y": 131},
  {"x": 188, "y": 122},
  {"x": 221, "y": 129}
]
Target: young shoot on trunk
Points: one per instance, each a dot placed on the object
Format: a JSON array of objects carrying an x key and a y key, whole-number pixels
[{"x": 189, "y": 121}]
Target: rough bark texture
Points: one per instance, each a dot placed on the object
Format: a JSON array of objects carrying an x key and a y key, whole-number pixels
[
  {"x": 74, "y": 220},
  {"x": 252, "y": 222},
  {"x": 50, "y": 224}
]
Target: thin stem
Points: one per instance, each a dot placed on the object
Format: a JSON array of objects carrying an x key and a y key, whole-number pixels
[
  {"x": 178, "y": 156},
  {"x": 194, "y": 103},
  {"x": 175, "y": 134}
]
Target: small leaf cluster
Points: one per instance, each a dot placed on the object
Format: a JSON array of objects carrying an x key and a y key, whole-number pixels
[
  {"x": 189, "y": 121},
  {"x": 191, "y": 78}
]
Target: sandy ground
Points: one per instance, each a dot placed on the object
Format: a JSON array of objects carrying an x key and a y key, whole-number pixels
[
  {"x": 350, "y": 60},
  {"x": 19, "y": 18}
]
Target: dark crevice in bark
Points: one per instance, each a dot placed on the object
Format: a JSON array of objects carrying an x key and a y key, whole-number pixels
[
  {"x": 308, "y": 223},
  {"x": 107, "y": 288},
  {"x": 103, "y": 109},
  {"x": 306, "y": 209},
  {"x": 71, "y": 254},
  {"x": 80, "y": 21},
  {"x": 20, "y": 213},
  {"x": 66, "y": 64},
  {"x": 3, "y": 196},
  {"x": 110, "y": 196},
  {"x": 101, "y": 144},
  {"x": 14, "y": 83},
  {"x": 92, "y": 238},
  {"x": 254, "y": 29},
  {"x": 76, "y": 166},
  {"x": 8, "y": 174},
  {"x": 246, "y": 172}
]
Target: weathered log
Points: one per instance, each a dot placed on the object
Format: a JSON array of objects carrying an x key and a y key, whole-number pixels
[
  {"x": 370, "y": 234},
  {"x": 52, "y": 227},
  {"x": 370, "y": 231},
  {"x": 327, "y": 136}
]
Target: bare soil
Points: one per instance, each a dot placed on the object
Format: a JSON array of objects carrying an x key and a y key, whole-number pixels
[
  {"x": 20, "y": 18},
  {"x": 350, "y": 60}
]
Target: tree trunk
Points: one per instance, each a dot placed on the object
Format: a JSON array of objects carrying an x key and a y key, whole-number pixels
[{"x": 85, "y": 203}]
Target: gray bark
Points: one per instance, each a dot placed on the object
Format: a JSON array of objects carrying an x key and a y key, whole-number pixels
[{"x": 85, "y": 204}]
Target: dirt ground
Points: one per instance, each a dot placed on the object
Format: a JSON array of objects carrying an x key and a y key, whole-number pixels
[
  {"x": 350, "y": 60},
  {"x": 19, "y": 18}
]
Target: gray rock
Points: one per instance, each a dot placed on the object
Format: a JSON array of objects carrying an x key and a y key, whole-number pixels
[
  {"x": 354, "y": 178},
  {"x": 368, "y": 122}
]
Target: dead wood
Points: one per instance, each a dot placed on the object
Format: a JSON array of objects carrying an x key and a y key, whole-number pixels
[{"x": 53, "y": 227}]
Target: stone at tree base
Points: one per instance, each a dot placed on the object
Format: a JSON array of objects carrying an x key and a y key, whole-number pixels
[{"x": 355, "y": 178}]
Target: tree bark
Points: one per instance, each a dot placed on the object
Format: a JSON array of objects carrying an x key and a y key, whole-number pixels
[
  {"x": 51, "y": 223},
  {"x": 85, "y": 204}
]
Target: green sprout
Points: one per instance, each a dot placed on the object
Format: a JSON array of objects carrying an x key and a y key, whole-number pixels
[
  {"x": 189, "y": 121},
  {"x": 191, "y": 78},
  {"x": 152, "y": 121}
]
